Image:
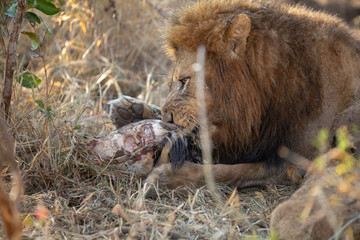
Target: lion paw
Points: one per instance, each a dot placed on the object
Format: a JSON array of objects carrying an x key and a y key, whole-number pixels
[
  {"x": 160, "y": 175},
  {"x": 165, "y": 176},
  {"x": 125, "y": 110}
]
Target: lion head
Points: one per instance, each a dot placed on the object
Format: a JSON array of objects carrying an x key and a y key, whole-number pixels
[
  {"x": 262, "y": 75},
  {"x": 225, "y": 42}
]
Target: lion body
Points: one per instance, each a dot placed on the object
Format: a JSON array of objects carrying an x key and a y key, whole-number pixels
[
  {"x": 275, "y": 75},
  {"x": 324, "y": 204}
]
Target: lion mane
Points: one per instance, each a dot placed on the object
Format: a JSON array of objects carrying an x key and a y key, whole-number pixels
[{"x": 276, "y": 74}]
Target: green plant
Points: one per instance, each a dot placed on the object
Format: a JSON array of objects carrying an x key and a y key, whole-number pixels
[{"x": 18, "y": 11}]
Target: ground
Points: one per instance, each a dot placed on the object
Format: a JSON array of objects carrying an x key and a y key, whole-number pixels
[{"x": 98, "y": 51}]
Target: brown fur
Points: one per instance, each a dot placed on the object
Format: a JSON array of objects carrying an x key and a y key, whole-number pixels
[
  {"x": 275, "y": 75},
  {"x": 345, "y": 9},
  {"x": 272, "y": 72}
]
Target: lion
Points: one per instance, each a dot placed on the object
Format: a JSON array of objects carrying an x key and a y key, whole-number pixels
[
  {"x": 326, "y": 206},
  {"x": 347, "y": 10},
  {"x": 275, "y": 75}
]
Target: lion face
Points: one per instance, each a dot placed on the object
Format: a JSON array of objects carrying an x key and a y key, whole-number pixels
[
  {"x": 227, "y": 77},
  {"x": 181, "y": 105}
]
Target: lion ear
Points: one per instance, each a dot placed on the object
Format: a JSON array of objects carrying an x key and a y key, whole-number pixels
[{"x": 237, "y": 33}]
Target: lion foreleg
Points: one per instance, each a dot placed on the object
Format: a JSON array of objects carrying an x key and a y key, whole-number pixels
[
  {"x": 238, "y": 175},
  {"x": 255, "y": 174}
]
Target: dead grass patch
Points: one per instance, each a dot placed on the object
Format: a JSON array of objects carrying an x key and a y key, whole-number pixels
[{"x": 99, "y": 50}]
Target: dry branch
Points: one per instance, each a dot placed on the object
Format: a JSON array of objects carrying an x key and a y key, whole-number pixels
[
  {"x": 159, "y": 10},
  {"x": 10, "y": 56},
  {"x": 2, "y": 44}
]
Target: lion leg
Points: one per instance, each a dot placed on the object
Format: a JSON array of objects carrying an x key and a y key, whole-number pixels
[
  {"x": 125, "y": 110},
  {"x": 312, "y": 209},
  {"x": 239, "y": 175},
  {"x": 349, "y": 118}
]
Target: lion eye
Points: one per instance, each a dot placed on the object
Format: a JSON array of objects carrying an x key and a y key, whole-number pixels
[{"x": 184, "y": 81}]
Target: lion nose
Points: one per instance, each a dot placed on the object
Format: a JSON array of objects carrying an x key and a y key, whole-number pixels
[{"x": 168, "y": 117}]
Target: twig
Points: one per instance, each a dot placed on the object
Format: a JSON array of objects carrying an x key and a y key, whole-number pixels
[
  {"x": 10, "y": 56},
  {"x": 338, "y": 232},
  {"x": 160, "y": 11},
  {"x": 205, "y": 138}
]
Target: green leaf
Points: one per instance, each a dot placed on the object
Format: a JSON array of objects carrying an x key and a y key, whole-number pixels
[
  {"x": 44, "y": 6},
  {"x": 34, "y": 45},
  {"x": 40, "y": 103},
  {"x": 39, "y": 111},
  {"x": 77, "y": 127},
  {"x": 31, "y": 4},
  {"x": 61, "y": 2},
  {"x": 47, "y": 29},
  {"x": 29, "y": 80},
  {"x": 48, "y": 114},
  {"x": 48, "y": 109},
  {"x": 320, "y": 141},
  {"x": 12, "y": 10},
  {"x": 35, "y": 39},
  {"x": 33, "y": 17}
]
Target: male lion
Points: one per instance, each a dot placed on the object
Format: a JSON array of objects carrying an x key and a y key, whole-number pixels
[{"x": 274, "y": 74}]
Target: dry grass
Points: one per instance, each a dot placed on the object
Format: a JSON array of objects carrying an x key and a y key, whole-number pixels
[
  {"x": 84, "y": 211},
  {"x": 98, "y": 51}
]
